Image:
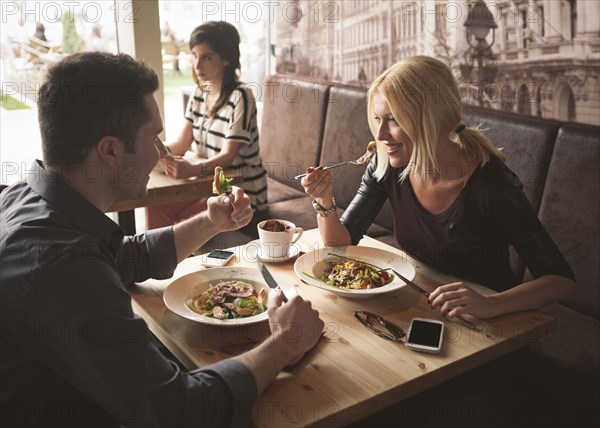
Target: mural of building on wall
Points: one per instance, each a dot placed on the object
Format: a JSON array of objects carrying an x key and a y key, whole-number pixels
[{"x": 544, "y": 59}]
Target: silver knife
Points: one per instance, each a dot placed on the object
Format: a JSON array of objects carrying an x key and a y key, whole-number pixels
[
  {"x": 291, "y": 290},
  {"x": 426, "y": 294}
]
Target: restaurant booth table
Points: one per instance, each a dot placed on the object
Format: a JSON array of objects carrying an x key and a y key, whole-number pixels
[{"x": 351, "y": 372}]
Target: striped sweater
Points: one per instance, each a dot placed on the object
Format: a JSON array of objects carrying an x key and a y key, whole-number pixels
[{"x": 235, "y": 121}]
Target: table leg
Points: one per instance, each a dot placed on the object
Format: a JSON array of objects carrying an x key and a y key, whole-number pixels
[{"x": 126, "y": 220}]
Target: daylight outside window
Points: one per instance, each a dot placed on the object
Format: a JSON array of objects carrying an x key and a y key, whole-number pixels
[
  {"x": 34, "y": 36},
  {"x": 179, "y": 18}
]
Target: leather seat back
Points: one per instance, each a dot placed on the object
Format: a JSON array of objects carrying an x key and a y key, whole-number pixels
[
  {"x": 292, "y": 126},
  {"x": 570, "y": 210}
]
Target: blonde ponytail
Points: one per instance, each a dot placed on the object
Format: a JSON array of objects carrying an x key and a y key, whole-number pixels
[{"x": 476, "y": 145}]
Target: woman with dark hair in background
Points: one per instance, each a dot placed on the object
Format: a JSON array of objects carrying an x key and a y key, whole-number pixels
[{"x": 221, "y": 124}]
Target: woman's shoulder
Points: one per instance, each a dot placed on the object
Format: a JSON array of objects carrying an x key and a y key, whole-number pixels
[
  {"x": 196, "y": 97},
  {"x": 242, "y": 91},
  {"x": 503, "y": 191},
  {"x": 497, "y": 174},
  {"x": 197, "y": 92}
]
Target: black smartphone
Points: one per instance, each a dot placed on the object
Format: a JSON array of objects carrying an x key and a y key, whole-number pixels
[{"x": 217, "y": 258}]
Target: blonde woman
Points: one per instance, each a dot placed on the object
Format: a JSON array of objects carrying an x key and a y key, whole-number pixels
[{"x": 457, "y": 206}]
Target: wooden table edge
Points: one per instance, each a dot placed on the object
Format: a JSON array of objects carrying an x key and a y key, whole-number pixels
[{"x": 391, "y": 397}]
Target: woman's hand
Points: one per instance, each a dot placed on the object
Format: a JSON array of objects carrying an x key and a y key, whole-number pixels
[
  {"x": 178, "y": 167},
  {"x": 318, "y": 185},
  {"x": 458, "y": 298}
]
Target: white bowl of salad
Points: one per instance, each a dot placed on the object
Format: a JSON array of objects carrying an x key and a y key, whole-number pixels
[
  {"x": 353, "y": 271},
  {"x": 220, "y": 296}
]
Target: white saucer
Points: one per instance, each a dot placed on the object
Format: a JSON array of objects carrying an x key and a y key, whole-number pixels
[{"x": 253, "y": 249}]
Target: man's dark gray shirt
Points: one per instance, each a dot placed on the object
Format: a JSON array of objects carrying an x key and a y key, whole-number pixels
[{"x": 72, "y": 350}]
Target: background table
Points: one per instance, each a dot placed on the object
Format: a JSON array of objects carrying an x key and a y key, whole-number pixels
[
  {"x": 351, "y": 373},
  {"x": 163, "y": 189}
]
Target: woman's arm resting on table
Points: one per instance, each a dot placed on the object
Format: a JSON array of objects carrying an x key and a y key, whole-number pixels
[
  {"x": 458, "y": 298},
  {"x": 178, "y": 167},
  {"x": 517, "y": 222},
  {"x": 225, "y": 157},
  {"x": 183, "y": 143},
  {"x": 175, "y": 166},
  {"x": 223, "y": 213},
  {"x": 295, "y": 328}
]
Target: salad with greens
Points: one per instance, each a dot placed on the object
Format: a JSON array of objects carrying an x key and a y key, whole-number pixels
[
  {"x": 229, "y": 300},
  {"x": 221, "y": 184}
]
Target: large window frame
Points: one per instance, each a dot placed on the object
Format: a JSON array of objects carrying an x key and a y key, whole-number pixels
[{"x": 138, "y": 35}]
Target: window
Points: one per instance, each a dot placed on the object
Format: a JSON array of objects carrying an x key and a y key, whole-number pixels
[
  {"x": 35, "y": 35},
  {"x": 542, "y": 21},
  {"x": 573, "y": 18},
  {"x": 179, "y": 18}
]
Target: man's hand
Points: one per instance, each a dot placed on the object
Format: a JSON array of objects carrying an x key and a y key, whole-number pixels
[
  {"x": 296, "y": 321},
  {"x": 296, "y": 328},
  {"x": 230, "y": 212},
  {"x": 226, "y": 212}
]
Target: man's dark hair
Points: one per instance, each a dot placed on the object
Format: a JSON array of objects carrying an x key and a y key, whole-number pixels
[{"x": 88, "y": 96}]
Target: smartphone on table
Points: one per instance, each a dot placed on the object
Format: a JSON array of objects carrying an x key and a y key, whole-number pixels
[
  {"x": 425, "y": 335},
  {"x": 216, "y": 258}
]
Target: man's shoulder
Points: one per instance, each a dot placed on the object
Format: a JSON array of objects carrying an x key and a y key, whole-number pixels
[
  {"x": 31, "y": 250},
  {"x": 14, "y": 194},
  {"x": 36, "y": 233},
  {"x": 43, "y": 252}
]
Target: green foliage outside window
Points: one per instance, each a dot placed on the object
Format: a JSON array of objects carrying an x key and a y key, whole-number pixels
[{"x": 72, "y": 41}]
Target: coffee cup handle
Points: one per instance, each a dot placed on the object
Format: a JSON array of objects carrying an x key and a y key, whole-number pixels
[{"x": 298, "y": 233}]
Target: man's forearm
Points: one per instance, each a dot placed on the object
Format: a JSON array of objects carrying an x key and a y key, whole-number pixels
[
  {"x": 191, "y": 234},
  {"x": 267, "y": 360}
]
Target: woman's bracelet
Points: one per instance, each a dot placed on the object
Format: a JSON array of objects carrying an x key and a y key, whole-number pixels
[{"x": 321, "y": 210}]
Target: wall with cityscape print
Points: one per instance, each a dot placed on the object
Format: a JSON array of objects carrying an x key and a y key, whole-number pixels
[{"x": 544, "y": 59}]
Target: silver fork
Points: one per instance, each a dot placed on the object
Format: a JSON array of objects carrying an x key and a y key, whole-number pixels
[{"x": 366, "y": 158}]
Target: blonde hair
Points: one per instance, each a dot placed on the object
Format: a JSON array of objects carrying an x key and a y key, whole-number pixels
[{"x": 424, "y": 99}]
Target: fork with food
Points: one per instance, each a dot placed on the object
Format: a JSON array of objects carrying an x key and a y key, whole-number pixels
[
  {"x": 221, "y": 185},
  {"x": 364, "y": 159}
]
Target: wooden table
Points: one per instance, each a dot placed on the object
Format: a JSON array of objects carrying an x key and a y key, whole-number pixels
[
  {"x": 351, "y": 373},
  {"x": 163, "y": 189}
]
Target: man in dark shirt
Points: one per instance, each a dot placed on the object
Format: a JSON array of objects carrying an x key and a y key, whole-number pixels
[{"x": 73, "y": 353}]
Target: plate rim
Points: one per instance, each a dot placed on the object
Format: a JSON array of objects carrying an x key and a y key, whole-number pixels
[
  {"x": 353, "y": 293},
  {"x": 199, "y": 318}
]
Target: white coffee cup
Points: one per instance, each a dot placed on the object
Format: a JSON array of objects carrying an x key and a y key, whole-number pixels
[{"x": 275, "y": 245}]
